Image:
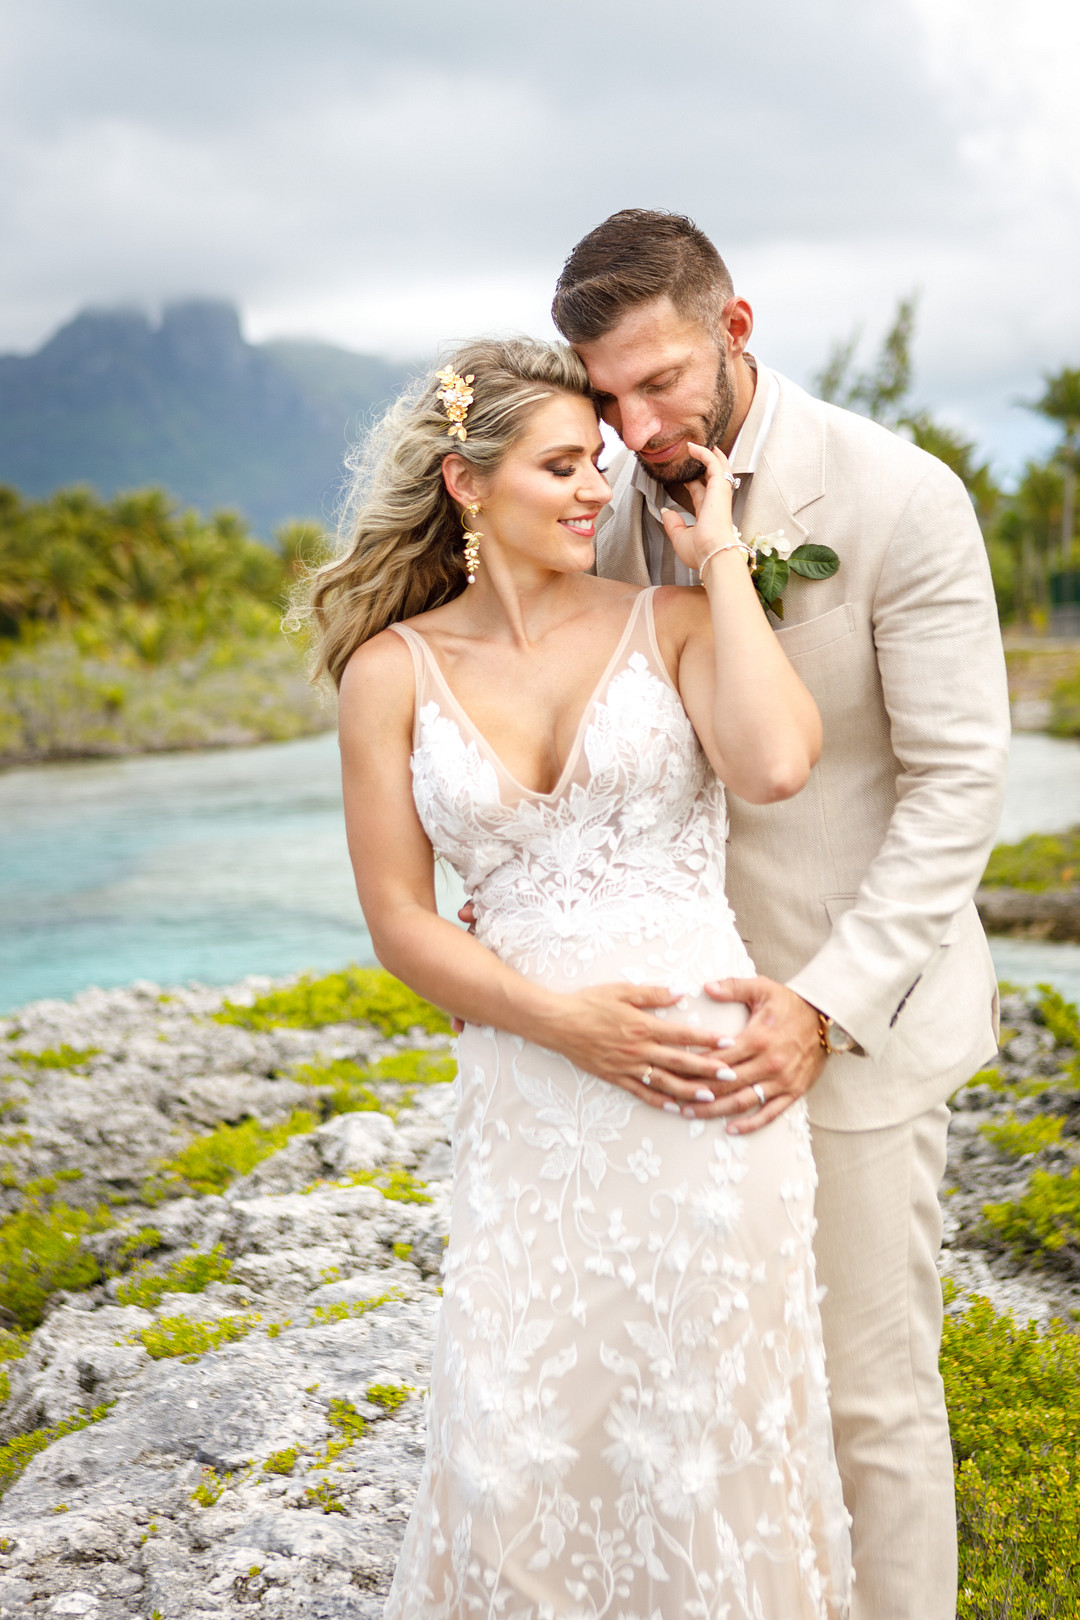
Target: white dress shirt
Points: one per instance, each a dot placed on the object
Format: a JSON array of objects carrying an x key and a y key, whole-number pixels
[{"x": 664, "y": 566}]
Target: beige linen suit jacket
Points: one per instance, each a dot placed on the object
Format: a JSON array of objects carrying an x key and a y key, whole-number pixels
[{"x": 858, "y": 892}]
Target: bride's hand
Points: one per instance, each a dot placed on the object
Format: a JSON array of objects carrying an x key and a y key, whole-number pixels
[
  {"x": 712, "y": 497},
  {"x": 608, "y": 1030}
]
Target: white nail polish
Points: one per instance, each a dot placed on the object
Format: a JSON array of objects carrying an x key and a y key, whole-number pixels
[
  {"x": 723, "y": 1042},
  {"x": 724, "y": 1073},
  {"x": 671, "y": 1108},
  {"x": 704, "y": 1096}
]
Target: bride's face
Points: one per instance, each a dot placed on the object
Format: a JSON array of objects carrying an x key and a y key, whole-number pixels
[{"x": 542, "y": 502}]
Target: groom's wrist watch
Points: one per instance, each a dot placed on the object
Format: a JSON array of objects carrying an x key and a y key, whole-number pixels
[{"x": 833, "y": 1038}]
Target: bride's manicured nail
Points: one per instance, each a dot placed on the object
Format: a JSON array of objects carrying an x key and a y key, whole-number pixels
[
  {"x": 672, "y": 1108},
  {"x": 704, "y": 1096},
  {"x": 724, "y": 1073},
  {"x": 723, "y": 1042}
]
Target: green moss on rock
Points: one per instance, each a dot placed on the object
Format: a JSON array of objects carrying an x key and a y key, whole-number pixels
[
  {"x": 209, "y": 1163},
  {"x": 355, "y": 995},
  {"x": 42, "y": 1250},
  {"x": 1039, "y": 862}
]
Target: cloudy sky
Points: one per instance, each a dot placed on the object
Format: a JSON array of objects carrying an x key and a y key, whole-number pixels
[{"x": 394, "y": 174}]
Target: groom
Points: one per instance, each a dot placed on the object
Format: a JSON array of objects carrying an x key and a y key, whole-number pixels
[{"x": 877, "y": 996}]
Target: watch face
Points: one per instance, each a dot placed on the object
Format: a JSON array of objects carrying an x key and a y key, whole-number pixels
[{"x": 839, "y": 1040}]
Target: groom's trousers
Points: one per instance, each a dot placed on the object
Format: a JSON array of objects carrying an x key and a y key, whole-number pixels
[{"x": 879, "y": 1233}]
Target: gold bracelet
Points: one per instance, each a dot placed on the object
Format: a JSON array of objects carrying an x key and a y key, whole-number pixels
[
  {"x": 731, "y": 545},
  {"x": 823, "y": 1032}
]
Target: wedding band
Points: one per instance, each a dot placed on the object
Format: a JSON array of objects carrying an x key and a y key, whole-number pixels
[
  {"x": 759, "y": 1092},
  {"x": 646, "y": 1078}
]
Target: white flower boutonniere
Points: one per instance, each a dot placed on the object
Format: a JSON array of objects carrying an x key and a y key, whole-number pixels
[{"x": 773, "y": 559}]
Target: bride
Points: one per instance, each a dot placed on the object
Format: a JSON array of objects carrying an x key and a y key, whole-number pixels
[{"x": 628, "y": 1410}]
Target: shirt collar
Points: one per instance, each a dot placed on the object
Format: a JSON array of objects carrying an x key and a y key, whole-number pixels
[{"x": 746, "y": 452}]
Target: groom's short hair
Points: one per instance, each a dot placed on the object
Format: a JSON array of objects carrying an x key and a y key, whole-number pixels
[{"x": 635, "y": 256}]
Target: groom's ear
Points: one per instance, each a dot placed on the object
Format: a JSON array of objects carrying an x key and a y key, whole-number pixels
[{"x": 462, "y": 481}]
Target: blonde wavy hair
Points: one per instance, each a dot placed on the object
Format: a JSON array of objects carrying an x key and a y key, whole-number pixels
[{"x": 401, "y": 551}]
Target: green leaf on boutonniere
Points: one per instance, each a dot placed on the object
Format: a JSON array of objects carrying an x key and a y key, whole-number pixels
[
  {"x": 814, "y": 562},
  {"x": 770, "y": 577}
]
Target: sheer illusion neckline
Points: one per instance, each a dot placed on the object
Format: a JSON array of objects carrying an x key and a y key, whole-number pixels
[{"x": 591, "y": 701}]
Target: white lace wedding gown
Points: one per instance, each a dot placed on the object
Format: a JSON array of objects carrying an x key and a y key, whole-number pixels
[{"x": 628, "y": 1412}]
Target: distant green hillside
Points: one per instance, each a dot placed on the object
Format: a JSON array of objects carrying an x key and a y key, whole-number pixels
[{"x": 117, "y": 403}]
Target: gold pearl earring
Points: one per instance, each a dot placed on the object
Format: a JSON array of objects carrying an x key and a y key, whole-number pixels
[{"x": 472, "y": 543}]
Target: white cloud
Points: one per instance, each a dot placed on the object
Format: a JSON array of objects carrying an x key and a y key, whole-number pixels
[{"x": 394, "y": 176}]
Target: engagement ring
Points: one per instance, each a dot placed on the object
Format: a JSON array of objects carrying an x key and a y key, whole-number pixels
[
  {"x": 759, "y": 1092},
  {"x": 646, "y": 1078}
]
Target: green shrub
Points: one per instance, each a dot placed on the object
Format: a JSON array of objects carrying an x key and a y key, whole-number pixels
[
  {"x": 135, "y": 571},
  {"x": 1065, "y": 708},
  {"x": 281, "y": 1462},
  {"x": 189, "y": 1275},
  {"x": 209, "y": 1163},
  {"x": 1040, "y": 861},
  {"x": 1045, "y": 1219},
  {"x": 344, "y": 1417},
  {"x": 211, "y": 1489},
  {"x": 1020, "y": 1137},
  {"x": 389, "y": 1396},
  {"x": 351, "y": 1094},
  {"x": 395, "y": 1183},
  {"x": 341, "y": 1310},
  {"x": 41, "y": 1250},
  {"x": 137, "y": 1245},
  {"x": 1013, "y": 1395},
  {"x": 182, "y": 1336},
  {"x": 352, "y": 1084},
  {"x": 1059, "y": 1016},
  {"x": 416, "y": 1068},
  {"x": 18, "y": 1453},
  {"x": 355, "y": 995},
  {"x": 322, "y": 1495},
  {"x": 58, "y": 1057},
  {"x": 13, "y": 1347}
]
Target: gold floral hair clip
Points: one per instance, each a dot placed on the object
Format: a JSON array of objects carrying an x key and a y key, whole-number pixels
[{"x": 456, "y": 395}]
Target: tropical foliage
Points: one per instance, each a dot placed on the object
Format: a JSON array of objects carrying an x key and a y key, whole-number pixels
[
  {"x": 129, "y": 625},
  {"x": 1030, "y": 531},
  {"x": 136, "y": 574}
]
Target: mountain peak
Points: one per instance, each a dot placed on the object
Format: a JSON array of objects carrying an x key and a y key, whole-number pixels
[{"x": 118, "y": 402}]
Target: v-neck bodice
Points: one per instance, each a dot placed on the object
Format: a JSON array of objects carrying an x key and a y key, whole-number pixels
[
  {"x": 638, "y": 633},
  {"x": 627, "y": 846}
]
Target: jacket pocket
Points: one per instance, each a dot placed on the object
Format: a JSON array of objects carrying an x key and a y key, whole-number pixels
[{"x": 820, "y": 632}]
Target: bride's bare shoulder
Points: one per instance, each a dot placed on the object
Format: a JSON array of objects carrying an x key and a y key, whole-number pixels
[
  {"x": 679, "y": 607},
  {"x": 379, "y": 674}
]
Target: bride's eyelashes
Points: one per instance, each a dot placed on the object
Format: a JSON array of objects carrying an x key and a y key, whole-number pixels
[{"x": 568, "y": 472}]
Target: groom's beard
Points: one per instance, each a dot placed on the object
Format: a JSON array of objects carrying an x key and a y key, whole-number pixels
[{"x": 712, "y": 430}]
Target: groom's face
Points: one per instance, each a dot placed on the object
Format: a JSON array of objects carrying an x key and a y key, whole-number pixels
[{"x": 661, "y": 379}]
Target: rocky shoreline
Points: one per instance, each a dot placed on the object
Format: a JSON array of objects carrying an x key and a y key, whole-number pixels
[
  {"x": 1052, "y": 914},
  {"x": 276, "y": 1468}
]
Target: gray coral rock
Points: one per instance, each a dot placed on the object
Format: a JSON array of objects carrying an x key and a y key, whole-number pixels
[
  {"x": 166, "y": 1503},
  {"x": 235, "y": 1480}
]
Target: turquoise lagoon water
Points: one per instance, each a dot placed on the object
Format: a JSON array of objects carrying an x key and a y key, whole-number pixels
[{"x": 213, "y": 865}]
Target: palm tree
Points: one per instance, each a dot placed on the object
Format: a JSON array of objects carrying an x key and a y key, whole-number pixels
[{"x": 1061, "y": 403}]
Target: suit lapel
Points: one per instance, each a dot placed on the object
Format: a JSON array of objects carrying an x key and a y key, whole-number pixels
[{"x": 791, "y": 474}]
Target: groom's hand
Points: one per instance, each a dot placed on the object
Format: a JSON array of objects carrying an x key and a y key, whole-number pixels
[{"x": 779, "y": 1051}]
